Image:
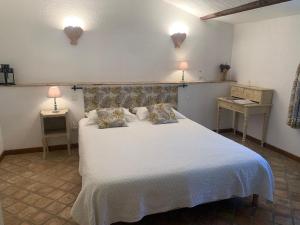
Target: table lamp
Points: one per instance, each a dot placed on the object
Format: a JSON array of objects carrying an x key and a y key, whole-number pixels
[
  {"x": 183, "y": 65},
  {"x": 54, "y": 92}
]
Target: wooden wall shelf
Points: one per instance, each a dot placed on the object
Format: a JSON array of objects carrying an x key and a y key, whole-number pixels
[{"x": 115, "y": 83}]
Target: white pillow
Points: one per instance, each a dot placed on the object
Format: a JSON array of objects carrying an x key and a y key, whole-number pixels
[
  {"x": 129, "y": 116},
  {"x": 142, "y": 113},
  {"x": 93, "y": 116}
]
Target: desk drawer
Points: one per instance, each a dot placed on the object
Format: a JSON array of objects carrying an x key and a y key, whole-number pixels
[
  {"x": 237, "y": 92},
  {"x": 253, "y": 95},
  {"x": 231, "y": 106}
]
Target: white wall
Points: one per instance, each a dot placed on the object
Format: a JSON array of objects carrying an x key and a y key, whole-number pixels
[
  {"x": 20, "y": 117},
  {"x": 267, "y": 54},
  {"x": 124, "y": 40}
]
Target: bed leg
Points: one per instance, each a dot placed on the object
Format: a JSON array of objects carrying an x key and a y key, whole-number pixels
[{"x": 255, "y": 200}]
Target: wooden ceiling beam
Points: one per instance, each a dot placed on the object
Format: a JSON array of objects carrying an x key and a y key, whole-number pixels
[{"x": 242, "y": 8}]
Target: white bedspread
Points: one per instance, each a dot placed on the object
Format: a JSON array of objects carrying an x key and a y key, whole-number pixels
[{"x": 143, "y": 169}]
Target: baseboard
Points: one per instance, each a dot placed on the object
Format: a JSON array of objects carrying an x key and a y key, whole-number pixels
[
  {"x": 229, "y": 130},
  {"x": 267, "y": 145},
  {"x": 34, "y": 149}
]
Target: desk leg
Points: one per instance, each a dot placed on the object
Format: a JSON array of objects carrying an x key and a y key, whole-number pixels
[
  {"x": 264, "y": 129},
  {"x": 68, "y": 134},
  {"x": 69, "y": 145},
  {"x": 218, "y": 118},
  {"x": 245, "y": 126},
  {"x": 45, "y": 147},
  {"x": 234, "y": 123}
]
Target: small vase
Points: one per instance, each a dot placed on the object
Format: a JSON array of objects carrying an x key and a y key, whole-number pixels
[{"x": 223, "y": 75}]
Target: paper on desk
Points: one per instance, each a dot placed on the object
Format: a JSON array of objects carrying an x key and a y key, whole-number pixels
[{"x": 243, "y": 101}]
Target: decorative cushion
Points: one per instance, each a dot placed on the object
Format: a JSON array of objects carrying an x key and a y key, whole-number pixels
[
  {"x": 161, "y": 114},
  {"x": 111, "y": 117}
]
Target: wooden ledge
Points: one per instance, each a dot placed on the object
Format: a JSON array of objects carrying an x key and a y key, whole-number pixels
[{"x": 116, "y": 83}]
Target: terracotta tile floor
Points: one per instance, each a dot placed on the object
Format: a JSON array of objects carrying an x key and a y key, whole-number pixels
[{"x": 35, "y": 191}]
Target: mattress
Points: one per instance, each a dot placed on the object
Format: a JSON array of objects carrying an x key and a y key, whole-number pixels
[{"x": 142, "y": 169}]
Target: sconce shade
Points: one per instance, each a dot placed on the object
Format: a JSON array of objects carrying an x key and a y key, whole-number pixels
[
  {"x": 178, "y": 39},
  {"x": 54, "y": 92},
  {"x": 183, "y": 65},
  {"x": 73, "y": 33}
]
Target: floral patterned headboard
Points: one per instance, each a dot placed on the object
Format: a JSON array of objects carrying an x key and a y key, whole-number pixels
[{"x": 129, "y": 96}]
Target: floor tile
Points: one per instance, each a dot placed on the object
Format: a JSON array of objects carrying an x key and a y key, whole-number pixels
[{"x": 35, "y": 191}]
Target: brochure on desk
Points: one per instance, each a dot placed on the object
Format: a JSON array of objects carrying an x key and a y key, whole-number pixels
[{"x": 240, "y": 101}]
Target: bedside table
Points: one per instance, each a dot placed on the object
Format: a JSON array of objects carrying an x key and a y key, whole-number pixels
[{"x": 54, "y": 125}]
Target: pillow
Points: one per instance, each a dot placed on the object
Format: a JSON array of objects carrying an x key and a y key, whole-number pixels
[
  {"x": 142, "y": 113},
  {"x": 129, "y": 116},
  {"x": 161, "y": 114},
  {"x": 92, "y": 117},
  {"x": 111, "y": 117}
]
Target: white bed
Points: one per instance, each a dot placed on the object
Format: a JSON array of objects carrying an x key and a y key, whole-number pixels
[{"x": 143, "y": 169}]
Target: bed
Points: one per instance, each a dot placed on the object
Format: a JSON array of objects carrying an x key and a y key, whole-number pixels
[{"x": 142, "y": 169}]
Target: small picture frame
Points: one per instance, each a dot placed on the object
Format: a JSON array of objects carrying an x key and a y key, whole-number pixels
[
  {"x": 7, "y": 76},
  {"x": 2, "y": 79},
  {"x": 10, "y": 77}
]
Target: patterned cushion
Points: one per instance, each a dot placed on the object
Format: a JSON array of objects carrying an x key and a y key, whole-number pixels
[
  {"x": 161, "y": 113},
  {"x": 111, "y": 117}
]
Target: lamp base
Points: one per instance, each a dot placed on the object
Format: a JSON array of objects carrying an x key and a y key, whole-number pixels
[{"x": 55, "y": 110}]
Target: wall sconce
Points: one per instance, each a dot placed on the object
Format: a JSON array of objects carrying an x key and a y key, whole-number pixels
[
  {"x": 182, "y": 65},
  {"x": 178, "y": 32},
  {"x": 178, "y": 39},
  {"x": 73, "y": 29}
]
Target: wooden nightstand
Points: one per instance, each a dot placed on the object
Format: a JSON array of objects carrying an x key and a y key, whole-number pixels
[{"x": 54, "y": 125}]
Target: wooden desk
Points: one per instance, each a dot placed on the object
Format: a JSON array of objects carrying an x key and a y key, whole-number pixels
[{"x": 262, "y": 103}]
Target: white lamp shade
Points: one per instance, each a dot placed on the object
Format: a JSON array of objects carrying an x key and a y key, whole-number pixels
[
  {"x": 54, "y": 92},
  {"x": 183, "y": 65}
]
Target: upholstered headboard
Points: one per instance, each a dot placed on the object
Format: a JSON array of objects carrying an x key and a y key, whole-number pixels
[{"x": 129, "y": 96}]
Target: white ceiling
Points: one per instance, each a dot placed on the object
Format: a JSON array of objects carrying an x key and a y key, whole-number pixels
[{"x": 203, "y": 7}]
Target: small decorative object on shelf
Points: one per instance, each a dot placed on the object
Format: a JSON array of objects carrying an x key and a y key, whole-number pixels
[
  {"x": 224, "y": 68},
  {"x": 183, "y": 65},
  {"x": 7, "y": 76}
]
